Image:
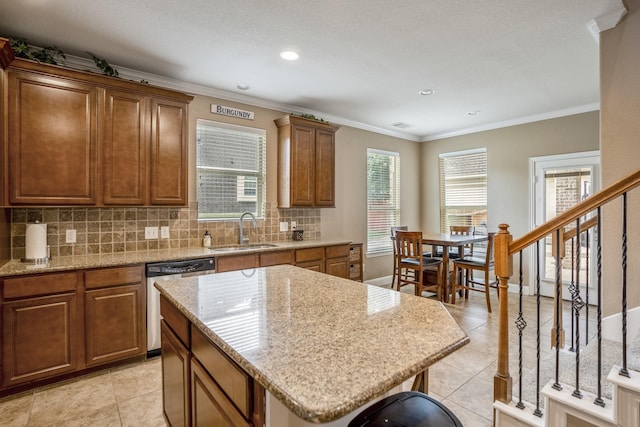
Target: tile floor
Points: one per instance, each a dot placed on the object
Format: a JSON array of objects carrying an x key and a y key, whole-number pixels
[{"x": 132, "y": 396}]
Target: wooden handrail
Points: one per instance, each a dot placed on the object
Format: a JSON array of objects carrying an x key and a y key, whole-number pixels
[
  {"x": 584, "y": 226},
  {"x": 587, "y": 205}
]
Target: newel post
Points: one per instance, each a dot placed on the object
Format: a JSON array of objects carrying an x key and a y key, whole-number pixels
[{"x": 503, "y": 269}]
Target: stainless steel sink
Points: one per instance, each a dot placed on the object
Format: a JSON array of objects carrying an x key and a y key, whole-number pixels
[{"x": 247, "y": 247}]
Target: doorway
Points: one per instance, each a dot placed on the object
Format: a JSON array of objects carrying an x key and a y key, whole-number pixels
[{"x": 558, "y": 183}]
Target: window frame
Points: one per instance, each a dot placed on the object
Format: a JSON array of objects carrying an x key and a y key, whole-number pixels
[
  {"x": 382, "y": 245},
  {"x": 240, "y": 174},
  {"x": 464, "y": 182}
]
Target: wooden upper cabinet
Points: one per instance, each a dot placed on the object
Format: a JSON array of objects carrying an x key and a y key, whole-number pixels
[
  {"x": 325, "y": 168},
  {"x": 306, "y": 162},
  {"x": 125, "y": 146},
  {"x": 169, "y": 121},
  {"x": 52, "y": 140},
  {"x": 80, "y": 138}
]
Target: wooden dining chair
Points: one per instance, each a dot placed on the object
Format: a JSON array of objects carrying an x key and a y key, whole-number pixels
[
  {"x": 413, "y": 265},
  {"x": 395, "y": 251},
  {"x": 467, "y": 265}
]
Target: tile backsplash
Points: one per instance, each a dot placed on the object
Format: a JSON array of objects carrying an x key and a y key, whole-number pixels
[{"x": 110, "y": 230}]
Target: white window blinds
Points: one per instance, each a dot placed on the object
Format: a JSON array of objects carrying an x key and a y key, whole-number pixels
[
  {"x": 231, "y": 164},
  {"x": 463, "y": 189},
  {"x": 383, "y": 198}
]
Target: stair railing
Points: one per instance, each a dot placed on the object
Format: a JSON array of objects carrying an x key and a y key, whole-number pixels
[{"x": 505, "y": 247}]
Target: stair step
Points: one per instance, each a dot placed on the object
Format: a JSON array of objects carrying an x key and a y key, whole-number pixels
[
  {"x": 632, "y": 383},
  {"x": 559, "y": 403},
  {"x": 507, "y": 414}
]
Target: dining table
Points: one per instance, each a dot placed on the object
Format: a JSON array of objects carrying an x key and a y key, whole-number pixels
[{"x": 447, "y": 241}]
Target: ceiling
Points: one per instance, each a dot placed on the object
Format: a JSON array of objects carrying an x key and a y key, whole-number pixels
[{"x": 362, "y": 62}]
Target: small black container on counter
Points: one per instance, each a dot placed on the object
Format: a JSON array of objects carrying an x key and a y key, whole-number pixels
[{"x": 297, "y": 235}]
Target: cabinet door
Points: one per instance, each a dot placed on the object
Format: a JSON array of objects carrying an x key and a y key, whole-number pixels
[
  {"x": 115, "y": 323},
  {"x": 325, "y": 168},
  {"x": 52, "y": 140},
  {"x": 124, "y": 142},
  {"x": 312, "y": 265},
  {"x": 168, "y": 183},
  {"x": 175, "y": 378},
  {"x": 41, "y": 338},
  {"x": 338, "y": 267},
  {"x": 209, "y": 405},
  {"x": 302, "y": 166}
]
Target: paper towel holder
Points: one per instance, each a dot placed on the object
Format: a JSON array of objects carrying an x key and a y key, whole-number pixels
[
  {"x": 42, "y": 253},
  {"x": 44, "y": 260}
]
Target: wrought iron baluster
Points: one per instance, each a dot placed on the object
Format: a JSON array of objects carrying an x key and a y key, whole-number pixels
[
  {"x": 572, "y": 291},
  {"x": 587, "y": 269},
  {"x": 624, "y": 371},
  {"x": 537, "y": 412},
  {"x": 599, "y": 401},
  {"x": 520, "y": 324},
  {"x": 558, "y": 302},
  {"x": 576, "y": 305}
]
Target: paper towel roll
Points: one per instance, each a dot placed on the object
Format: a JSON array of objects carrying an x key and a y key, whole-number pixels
[{"x": 36, "y": 241}]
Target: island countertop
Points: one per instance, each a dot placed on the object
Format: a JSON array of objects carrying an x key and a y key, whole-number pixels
[{"x": 322, "y": 345}]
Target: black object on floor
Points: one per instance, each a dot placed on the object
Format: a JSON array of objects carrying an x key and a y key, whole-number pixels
[{"x": 406, "y": 409}]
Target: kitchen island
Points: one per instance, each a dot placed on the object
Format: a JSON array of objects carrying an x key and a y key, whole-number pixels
[{"x": 322, "y": 346}]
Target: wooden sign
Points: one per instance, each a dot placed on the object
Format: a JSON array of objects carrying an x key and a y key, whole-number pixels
[{"x": 232, "y": 112}]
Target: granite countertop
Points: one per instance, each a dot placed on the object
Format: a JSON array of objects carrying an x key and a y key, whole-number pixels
[
  {"x": 16, "y": 267},
  {"x": 322, "y": 345}
]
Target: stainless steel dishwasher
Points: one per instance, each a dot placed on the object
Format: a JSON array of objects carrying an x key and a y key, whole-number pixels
[{"x": 158, "y": 271}]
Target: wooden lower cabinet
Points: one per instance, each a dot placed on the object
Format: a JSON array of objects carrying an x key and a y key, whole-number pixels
[
  {"x": 41, "y": 327},
  {"x": 115, "y": 323},
  {"x": 115, "y": 314},
  {"x": 61, "y": 324},
  {"x": 311, "y": 259},
  {"x": 201, "y": 386},
  {"x": 176, "y": 371},
  {"x": 337, "y": 260},
  {"x": 41, "y": 338},
  {"x": 236, "y": 262},
  {"x": 209, "y": 404}
]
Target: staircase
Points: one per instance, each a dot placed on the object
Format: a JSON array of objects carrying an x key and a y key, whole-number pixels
[
  {"x": 620, "y": 395},
  {"x": 590, "y": 380}
]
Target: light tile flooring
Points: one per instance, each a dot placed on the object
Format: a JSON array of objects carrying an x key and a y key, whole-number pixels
[
  {"x": 132, "y": 396},
  {"x": 123, "y": 396}
]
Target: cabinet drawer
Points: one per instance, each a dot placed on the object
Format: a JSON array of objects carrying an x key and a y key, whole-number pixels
[
  {"x": 276, "y": 258},
  {"x": 338, "y": 251},
  {"x": 235, "y": 382},
  {"x": 175, "y": 320},
  {"x": 45, "y": 284},
  {"x": 310, "y": 254},
  {"x": 113, "y": 276},
  {"x": 236, "y": 262},
  {"x": 209, "y": 405}
]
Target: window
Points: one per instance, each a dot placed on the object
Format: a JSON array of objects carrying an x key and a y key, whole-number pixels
[
  {"x": 463, "y": 189},
  {"x": 383, "y": 198},
  {"x": 231, "y": 163}
]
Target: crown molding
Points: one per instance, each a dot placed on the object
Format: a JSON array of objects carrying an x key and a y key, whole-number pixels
[
  {"x": 518, "y": 121},
  {"x": 605, "y": 22}
]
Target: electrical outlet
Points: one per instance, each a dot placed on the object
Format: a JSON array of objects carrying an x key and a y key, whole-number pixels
[
  {"x": 71, "y": 236},
  {"x": 294, "y": 225},
  {"x": 151, "y": 232},
  {"x": 164, "y": 232},
  {"x": 284, "y": 226}
]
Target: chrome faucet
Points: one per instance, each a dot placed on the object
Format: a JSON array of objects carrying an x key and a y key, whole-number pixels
[{"x": 243, "y": 239}]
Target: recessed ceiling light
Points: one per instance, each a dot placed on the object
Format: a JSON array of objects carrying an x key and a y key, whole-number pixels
[
  {"x": 289, "y": 55},
  {"x": 243, "y": 87},
  {"x": 427, "y": 92},
  {"x": 473, "y": 113}
]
